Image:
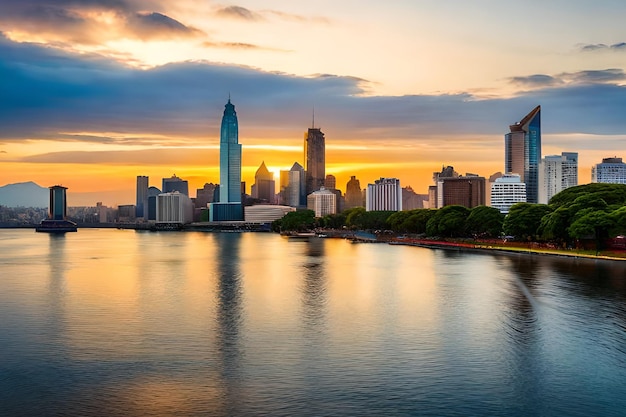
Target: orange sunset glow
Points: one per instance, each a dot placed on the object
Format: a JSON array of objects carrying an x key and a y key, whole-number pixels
[{"x": 96, "y": 94}]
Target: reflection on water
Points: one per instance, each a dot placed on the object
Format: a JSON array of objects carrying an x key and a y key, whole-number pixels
[{"x": 135, "y": 323}]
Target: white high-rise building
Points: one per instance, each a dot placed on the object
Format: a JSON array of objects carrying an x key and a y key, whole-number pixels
[
  {"x": 323, "y": 202},
  {"x": 556, "y": 173},
  {"x": 611, "y": 171},
  {"x": 174, "y": 208},
  {"x": 384, "y": 195},
  {"x": 506, "y": 191}
]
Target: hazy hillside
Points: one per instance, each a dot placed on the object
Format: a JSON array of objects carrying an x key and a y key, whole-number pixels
[{"x": 24, "y": 194}]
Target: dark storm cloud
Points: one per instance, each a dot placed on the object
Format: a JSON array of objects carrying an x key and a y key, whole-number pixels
[{"x": 49, "y": 94}]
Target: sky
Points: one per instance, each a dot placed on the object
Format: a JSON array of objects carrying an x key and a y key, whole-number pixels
[{"x": 96, "y": 92}]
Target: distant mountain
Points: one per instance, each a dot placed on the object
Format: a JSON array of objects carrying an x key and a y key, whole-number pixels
[{"x": 24, "y": 194}]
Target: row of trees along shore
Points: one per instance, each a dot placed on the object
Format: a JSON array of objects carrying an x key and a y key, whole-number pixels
[{"x": 586, "y": 212}]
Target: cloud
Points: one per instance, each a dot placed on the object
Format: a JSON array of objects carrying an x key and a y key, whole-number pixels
[
  {"x": 242, "y": 13},
  {"x": 157, "y": 25},
  {"x": 536, "y": 80},
  {"x": 240, "y": 46},
  {"x": 90, "y": 21},
  {"x": 53, "y": 95},
  {"x": 620, "y": 46},
  {"x": 296, "y": 17},
  {"x": 595, "y": 76},
  {"x": 610, "y": 75},
  {"x": 238, "y": 12}
]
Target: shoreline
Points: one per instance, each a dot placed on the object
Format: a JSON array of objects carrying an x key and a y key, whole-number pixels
[{"x": 484, "y": 248}]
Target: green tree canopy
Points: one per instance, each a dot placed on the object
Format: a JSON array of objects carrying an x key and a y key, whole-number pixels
[
  {"x": 448, "y": 221},
  {"x": 299, "y": 220},
  {"x": 610, "y": 193},
  {"x": 411, "y": 221},
  {"x": 484, "y": 221},
  {"x": 524, "y": 220}
]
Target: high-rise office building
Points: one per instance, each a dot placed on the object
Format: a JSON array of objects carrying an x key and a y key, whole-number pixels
[
  {"x": 556, "y": 173},
  {"x": 323, "y": 202},
  {"x": 611, "y": 171},
  {"x": 522, "y": 152},
  {"x": 229, "y": 208},
  {"x": 315, "y": 159},
  {"x": 506, "y": 191},
  {"x": 230, "y": 157},
  {"x": 384, "y": 195},
  {"x": 467, "y": 191},
  {"x": 204, "y": 195},
  {"x": 264, "y": 187},
  {"x": 296, "y": 190},
  {"x": 57, "y": 212},
  {"x": 142, "y": 197},
  {"x": 354, "y": 195},
  {"x": 330, "y": 183},
  {"x": 175, "y": 183},
  {"x": 174, "y": 207},
  {"x": 58, "y": 203}
]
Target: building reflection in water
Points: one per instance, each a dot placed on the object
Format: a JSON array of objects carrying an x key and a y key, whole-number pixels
[
  {"x": 314, "y": 286},
  {"x": 229, "y": 316},
  {"x": 57, "y": 285}
]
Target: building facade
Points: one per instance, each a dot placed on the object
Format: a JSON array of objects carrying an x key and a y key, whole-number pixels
[
  {"x": 467, "y": 191},
  {"x": 384, "y": 195},
  {"x": 229, "y": 207},
  {"x": 294, "y": 194},
  {"x": 174, "y": 208},
  {"x": 323, "y": 202},
  {"x": 264, "y": 187},
  {"x": 174, "y": 183},
  {"x": 141, "y": 204},
  {"x": 556, "y": 173},
  {"x": 230, "y": 157},
  {"x": 522, "y": 152},
  {"x": 354, "y": 194},
  {"x": 506, "y": 191},
  {"x": 611, "y": 171},
  {"x": 58, "y": 203},
  {"x": 315, "y": 159}
]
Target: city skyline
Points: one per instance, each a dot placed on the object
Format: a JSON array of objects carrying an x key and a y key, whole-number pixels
[{"x": 119, "y": 89}]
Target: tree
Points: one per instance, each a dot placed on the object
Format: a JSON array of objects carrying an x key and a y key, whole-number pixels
[
  {"x": 417, "y": 220},
  {"x": 353, "y": 215},
  {"x": 610, "y": 193},
  {"x": 299, "y": 220},
  {"x": 411, "y": 221},
  {"x": 595, "y": 224},
  {"x": 484, "y": 221},
  {"x": 524, "y": 220},
  {"x": 553, "y": 226},
  {"x": 448, "y": 221}
]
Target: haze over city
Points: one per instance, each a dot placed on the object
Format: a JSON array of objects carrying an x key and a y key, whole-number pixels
[{"x": 96, "y": 93}]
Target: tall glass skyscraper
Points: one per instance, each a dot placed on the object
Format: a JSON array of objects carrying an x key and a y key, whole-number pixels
[
  {"x": 229, "y": 207},
  {"x": 315, "y": 158},
  {"x": 230, "y": 157},
  {"x": 522, "y": 152}
]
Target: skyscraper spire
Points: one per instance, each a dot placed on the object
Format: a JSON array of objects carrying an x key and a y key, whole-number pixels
[{"x": 313, "y": 124}]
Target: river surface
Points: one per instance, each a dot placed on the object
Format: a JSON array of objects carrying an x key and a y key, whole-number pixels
[{"x": 126, "y": 323}]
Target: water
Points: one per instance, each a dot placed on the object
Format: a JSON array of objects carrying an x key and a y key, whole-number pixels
[{"x": 124, "y": 323}]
